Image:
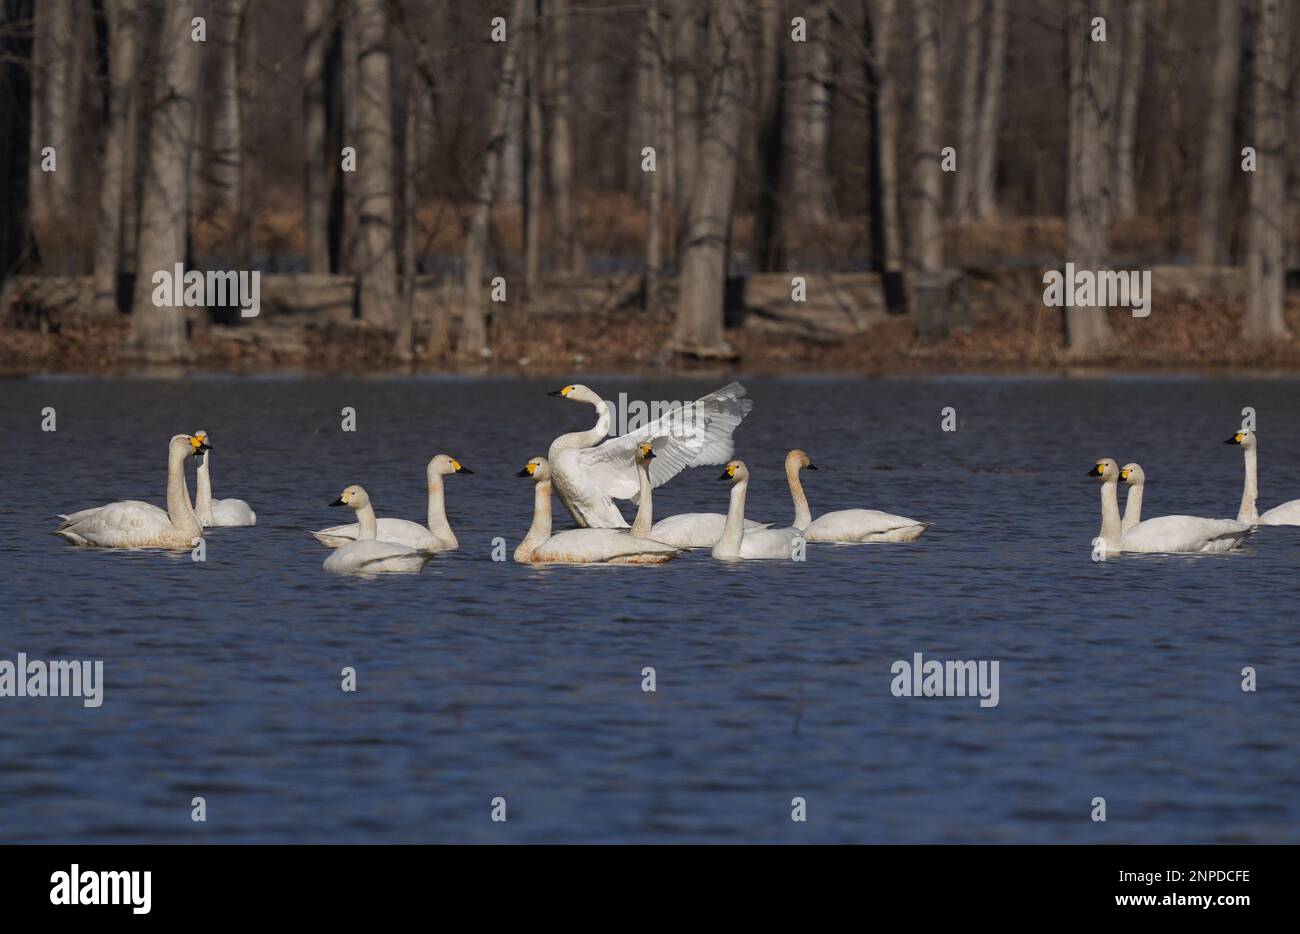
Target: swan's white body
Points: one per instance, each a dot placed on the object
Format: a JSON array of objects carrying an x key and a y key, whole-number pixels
[
  {"x": 223, "y": 513},
  {"x": 436, "y": 536},
  {"x": 579, "y": 546},
  {"x": 367, "y": 555},
  {"x": 848, "y": 526},
  {"x": 589, "y": 475},
  {"x": 133, "y": 524},
  {"x": 1286, "y": 514},
  {"x": 1166, "y": 534},
  {"x": 696, "y": 529},
  {"x": 737, "y": 542}
]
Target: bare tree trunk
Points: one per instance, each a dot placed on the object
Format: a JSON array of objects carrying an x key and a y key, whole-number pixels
[
  {"x": 245, "y": 53},
  {"x": 686, "y": 112},
  {"x": 886, "y": 234},
  {"x": 654, "y": 258},
  {"x": 404, "y": 348},
  {"x": 699, "y": 326},
  {"x": 968, "y": 129},
  {"x": 1217, "y": 163},
  {"x": 1091, "y": 115},
  {"x": 114, "y": 186},
  {"x": 572, "y": 257},
  {"x": 474, "y": 339},
  {"x": 54, "y": 76},
  {"x": 1126, "y": 199},
  {"x": 927, "y": 227},
  {"x": 377, "y": 269},
  {"x": 158, "y": 332},
  {"x": 15, "y": 133},
  {"x": 1269, "y": 214},
  {"x": 986, "y": 205},
  {"x": 315, "y": 197},
  {"x": 769, "y": 249},
  {"x": 512, "y": 158},
  {"x": 810, "y": 127},
  {"x": 350, "y": 228},
  {"x": 533, "y": 163},
  {"x": 227, "y": 138}
]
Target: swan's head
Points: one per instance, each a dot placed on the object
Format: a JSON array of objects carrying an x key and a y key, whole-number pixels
[
  {"x": 202, "y": 437},
  {"x": 577, "y": 392},
  {"x": 538, "y": 468},
  {"x": 190, "y": 444},
  {"x": 645, "y": 452},
  {"x": 1106, "y": 469},
  {"x": 1245, "y": 437},
  {"x": 1132, "y": 475},
  {"x": 354, "y": 497},
  {"x": 444, "y": 464},
  {"x": 735, "y": 471},
  {"x": 799, "y": 460}
]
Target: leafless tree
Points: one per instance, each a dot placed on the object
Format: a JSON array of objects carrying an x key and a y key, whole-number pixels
[
  {"x": 927, "y": 174},
  {"x": 1218, "y": 152},
  {"x": 1134, "y": 45},
  {"x": 377, "y": 267},
  {"x": 158, "y": 332},
  {"x": 116, "y": 187},
  {"x": 474, "y": 337},
  {"x": 1266, "y": 243},
  {"x": 1087, "y": 209},
  {"x": 699, "y": 326}
]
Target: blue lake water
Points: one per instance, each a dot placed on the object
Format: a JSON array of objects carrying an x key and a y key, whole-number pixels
[{"x": 479, "y": 679}]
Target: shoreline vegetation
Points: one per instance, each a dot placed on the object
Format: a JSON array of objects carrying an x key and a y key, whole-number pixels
[{"x": 998, "y": 323}]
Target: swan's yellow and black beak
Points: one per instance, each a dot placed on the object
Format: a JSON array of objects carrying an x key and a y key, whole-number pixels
[
  {"x": 811, "y": 466},
  {"x": 1097, "y": 470},
  {"x": 528, "y": 471},
  {"x": 459, "y": 469},
  {"x": 1236, "y": 439},
  {"x": 1123, "y": 474},
  {"x": 728, "y": 472},
  {"x": 561, "y": 393},
  {"x": 199, "y": 445},
  {"x": 339, "y": 502},
  {"x": 647, "y": 451}
]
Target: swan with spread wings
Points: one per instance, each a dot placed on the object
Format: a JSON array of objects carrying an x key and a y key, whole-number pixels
[{"x": 590, "y": 472}]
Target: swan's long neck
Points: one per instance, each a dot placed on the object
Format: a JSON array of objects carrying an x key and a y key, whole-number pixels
[
  {"x": 203, "y": 495},
  {"x": 540, "y": 530},
  {"x": 644, "y": 510},
  {"x": 179, "y": 510},
  {"x": 1248, "y": 513},
  {"x": 585, "y": 439},
  {"x": 438, "y": 524},
  {"x": 1132, "y": 507},
  {"x": 732, "y": 533},
  {"x": 367, "y": 527},
  {"x": 802, "y": 514},
  {"x": 1111, "y": 526}
]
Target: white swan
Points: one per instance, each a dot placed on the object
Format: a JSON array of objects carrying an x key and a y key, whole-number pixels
[
  {"x": 437, "y": 536},
  {"x": 1166, "y": 534},
  {"x": 739, "y": 543},
  {"x": 366, "y": 555},
  {"x": 844, "y": 525},
  {"x": 687, "y": 530},
  {"x": 589, "y": 475},
  {"x": 220, "y": 512},
  {"x": 1286, "y": 514},
  {"x": 133, "y": 524},
  {"x": 579, "y": 546}
]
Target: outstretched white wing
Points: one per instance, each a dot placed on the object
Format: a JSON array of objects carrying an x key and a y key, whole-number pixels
[{"x": 691, "y": 435}]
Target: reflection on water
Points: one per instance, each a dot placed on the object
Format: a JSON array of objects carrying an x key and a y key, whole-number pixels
[{"x": 478, "y": 679}]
